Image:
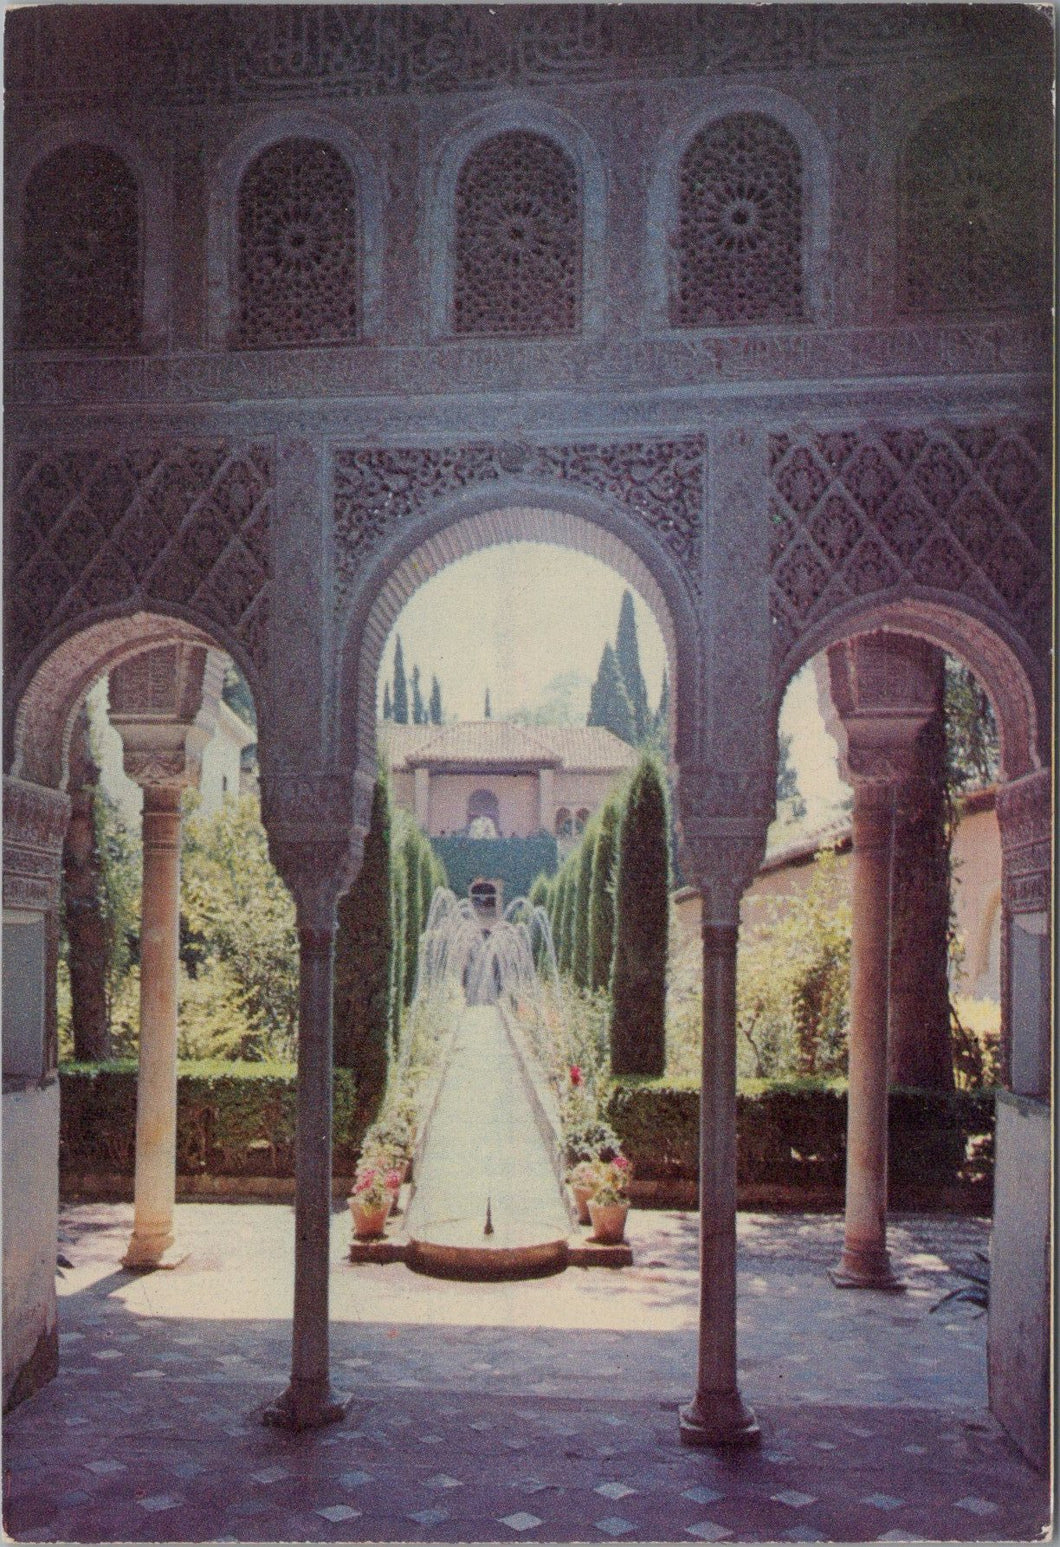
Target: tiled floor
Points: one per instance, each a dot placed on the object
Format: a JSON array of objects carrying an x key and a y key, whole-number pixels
[{"x": 541, "y": 1411}]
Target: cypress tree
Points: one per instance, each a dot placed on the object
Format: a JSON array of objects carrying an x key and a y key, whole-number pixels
[
  {"x": 487, "y": 713},
  {"x": 419, "y": 712},
  {"x": 540, "y": 896},
  {"x": 570, "y": 913},
  {"x": 580, "y": 947},
  {"x": 642, "y": 907},
  {"x": 413, "y": 910},
  {"x": 435, "y": 707},
  {"x": 555, "y": 910},
  {"x": 563, "y": 934},
  {"x": 602, "y": 899},
  {"x": 363, "y": 951},
  {"x": 628, "y": 652},
  {"x": 388, "y": 708},
  {"x": 609, "y": 703},
  {"x": 401, "y": 688},
  {"x": 397, "y": 957},
  {"x": 662, "y": 714}
]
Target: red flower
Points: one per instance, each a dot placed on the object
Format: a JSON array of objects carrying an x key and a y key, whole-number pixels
[{"x": 575, "y": 1075}]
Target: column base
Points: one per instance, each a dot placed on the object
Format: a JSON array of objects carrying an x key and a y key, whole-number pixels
[
  {"x": 145, "y": 1253},
  {"x": 306, "y": 1404},
  {"x": 866, "y": 1269},
  {"x": 719, "y": 1418}
]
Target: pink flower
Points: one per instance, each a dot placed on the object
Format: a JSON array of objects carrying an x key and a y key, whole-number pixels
[
  {"x": 393, "y": 1180},
  {"x": 365, "y": 1180},
  {"x": 575, "y": 1075},
  {"x": 621, "y": 1162}
]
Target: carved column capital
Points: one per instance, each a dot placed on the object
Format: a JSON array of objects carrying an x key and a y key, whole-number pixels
[
  {"x": 35, "y": 819},
  {"x": 163, "y": 704},
  {"x": 316, "y": 826},
  {"x": 884, "y": 689}
]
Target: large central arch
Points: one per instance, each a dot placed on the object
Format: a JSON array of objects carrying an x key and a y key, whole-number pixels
[{"x": 426, "y": 548}]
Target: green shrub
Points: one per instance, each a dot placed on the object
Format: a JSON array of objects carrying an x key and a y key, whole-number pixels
[
  {"x": 232, "y": 1120},
  {"x": 642, "y": 915},
  {"x": 794, "y": 1134},
  {"x": 583, "y": 887},
  {"x": 602, "y": 899}
]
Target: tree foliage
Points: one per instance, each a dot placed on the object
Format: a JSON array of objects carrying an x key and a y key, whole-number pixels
[
  {"x": 973, "y": 750},
  {"x": 609, "y": 703},
  {"x": 602, "y": 898},
  {"x": 238, "y": 912},
  {"x": 642, "y": 913},
  {"x": 583, "y": 887},
  {"x": 627, "y": 652},
  {"x": 401, "y": 687},
  {"x": 434, "y": 708},
  {"x": 419, "y": 708}
]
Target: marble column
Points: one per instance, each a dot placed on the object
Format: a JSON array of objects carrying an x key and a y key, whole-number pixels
[
  {"x": 718, "y": 1414},
  {"x": 162, "y": 704},
  {"x": 152, "y": 1243},
  {"x": 883, "y": 692},
  {"x": 316, "y": 827}
]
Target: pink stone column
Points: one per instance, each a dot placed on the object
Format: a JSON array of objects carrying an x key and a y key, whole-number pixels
[
  {"x": 718, "y": 1415},
  {"x": 865, "y": 1263},
  {"x": 152, "y": 1240}
]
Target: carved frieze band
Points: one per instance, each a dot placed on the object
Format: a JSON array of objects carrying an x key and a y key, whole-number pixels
[
  {"x": 802, "y": 354},
  {"x": 659, "y": 483},
  {"x": 35, "y": 821},
  {"x": 954, "y": 508},
  {"x": 365, "y": 50},
  {"x": 1024, "y": 812},
  {"x": 138, "y": 525}
]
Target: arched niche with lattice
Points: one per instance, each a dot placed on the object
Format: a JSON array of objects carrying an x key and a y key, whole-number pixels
[
  {"x": 81, "y": 252},
  {"x": 518, "y": 246},
  {"x": 972, "y": 209},
  {"x": 297, "y": 262},
  {"x": 739, "y": 226}
]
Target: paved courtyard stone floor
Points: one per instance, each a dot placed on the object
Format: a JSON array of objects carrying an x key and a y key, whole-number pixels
[{"x": 537, "y": 1411}]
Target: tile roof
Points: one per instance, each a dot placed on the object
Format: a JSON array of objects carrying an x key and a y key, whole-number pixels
[{"x": 481, "y": 743}]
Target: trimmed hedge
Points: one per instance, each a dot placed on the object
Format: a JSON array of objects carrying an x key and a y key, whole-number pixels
[
  {"x": 234, "y": 1123},
  {"x": 516, "y": 861},
  {"x": 795, "y": 1135}
]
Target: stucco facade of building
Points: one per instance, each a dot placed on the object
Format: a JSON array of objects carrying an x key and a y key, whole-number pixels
[
  {"x": 521, "y": 780},
  {"x": 304, "y": 303}
]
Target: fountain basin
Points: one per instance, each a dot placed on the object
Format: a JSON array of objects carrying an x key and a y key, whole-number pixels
[{"x": 457, "y": 1249}]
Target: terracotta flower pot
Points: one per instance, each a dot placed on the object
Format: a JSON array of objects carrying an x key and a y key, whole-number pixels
[
  {"x": 609, "y": 1222},
  {"x": 581, "y": 1199},
  {"x": 369, "y": 1219}
]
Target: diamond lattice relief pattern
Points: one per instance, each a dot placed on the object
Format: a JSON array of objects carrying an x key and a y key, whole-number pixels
[
  {"x": 973, "y": 205},
  {"x": 182, "y": 526},
  {"x": 739, "y": 226},
  {"x": 518, "y": 239},
  {"x": 297, "y": 248},
  {"x": 80, "y": 256},
  {"x": 954, "y": 508}
]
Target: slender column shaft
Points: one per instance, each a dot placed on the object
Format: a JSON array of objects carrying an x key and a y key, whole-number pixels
[
  {"x": 313, "y": 1161},
  {"x": 718, "y": 1415},
  {"x": 309, "y": 1401},
  {"x": 156, "y": 1090},
  {"x": 865, "y": 1262}
]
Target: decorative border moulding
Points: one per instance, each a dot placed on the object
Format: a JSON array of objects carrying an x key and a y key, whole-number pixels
[{"x": 792, "y": 355}]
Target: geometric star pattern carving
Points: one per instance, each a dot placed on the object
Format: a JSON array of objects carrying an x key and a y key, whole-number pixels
[
  {"x": 954, "y": 508},
  {"x": 166, "y": 524}
]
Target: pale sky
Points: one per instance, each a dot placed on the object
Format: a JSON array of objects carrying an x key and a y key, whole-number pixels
[
  {"x": 517, "y": 615},
  {"x": 512, "y": 617}
]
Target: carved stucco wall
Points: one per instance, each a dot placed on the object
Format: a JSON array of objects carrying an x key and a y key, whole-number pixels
[{"x": 168, "y": 479}]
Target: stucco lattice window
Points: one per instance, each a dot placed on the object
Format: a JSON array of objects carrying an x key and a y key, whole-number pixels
[
  {"x": 518, "y": 252},
  {"x": 81, "y": 252},
  {"x": 740, "y": 223},
  {"x": 297, "y": 266},
  {"x": 970, "y": 213}
]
